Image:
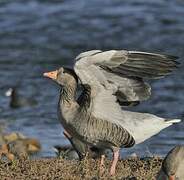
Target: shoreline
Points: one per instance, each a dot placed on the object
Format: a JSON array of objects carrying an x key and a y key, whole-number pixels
[{"x": 58, "y": 168}]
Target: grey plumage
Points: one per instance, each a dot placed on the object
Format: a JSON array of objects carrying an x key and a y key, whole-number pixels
[
  {"x": 78, "y": 150},
  {"x": 147, "y": 66},
  {"x": 66, "y": 152},
  {"x": 110, "y": 79},
  {"x": 173, "y": 164},
  {"x": 132, "y": 66}
]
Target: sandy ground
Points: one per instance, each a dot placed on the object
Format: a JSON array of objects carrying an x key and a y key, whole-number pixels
[{"x": 56, "y": 168}]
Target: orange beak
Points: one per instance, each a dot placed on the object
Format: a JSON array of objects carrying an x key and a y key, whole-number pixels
[
  {"x": 172, "y": 177},
  {"x": 51, "y": 74}
]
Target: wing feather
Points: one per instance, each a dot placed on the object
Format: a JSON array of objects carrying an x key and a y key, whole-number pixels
[
  {"x": 140, "y": 64},
  {"x": 118, "y": 76},
  {"x": 87, "y": 54},
  {"x": 123, "y": 71},
  {"x": 128, "y": 89}
]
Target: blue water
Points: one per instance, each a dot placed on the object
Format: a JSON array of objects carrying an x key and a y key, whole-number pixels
[{"x": 37, "y": 36}]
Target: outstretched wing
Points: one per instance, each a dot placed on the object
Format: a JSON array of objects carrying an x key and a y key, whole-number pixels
[
  {"x": 114, "y": 77},
  {"x": 124, "y": 71}
]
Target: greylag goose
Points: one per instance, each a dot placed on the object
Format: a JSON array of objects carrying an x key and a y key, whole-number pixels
[
  {"x": 66, "y": 152},
  {"x": 173, "y": 165},
  {"x": 110, "y": 79},
  {"x": 18, "y": 145},
  {"x": 4, "y": 151},
  {"x": 15, "y": 145},
  {"x": 73, "y": 152},
  {"x": 17, "y": 101},
  {"x": 24, "y": 147}
]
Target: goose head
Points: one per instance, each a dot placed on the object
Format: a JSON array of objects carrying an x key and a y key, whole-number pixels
[{"x": 62, "y": 76}]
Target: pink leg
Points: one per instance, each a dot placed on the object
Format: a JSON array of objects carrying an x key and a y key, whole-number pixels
[
  {"x": 102, "y": 164},
  {"x": 114, "y": 162},
  {"x": 172, "y": 177},
  {"x": 67, "y": 135}
]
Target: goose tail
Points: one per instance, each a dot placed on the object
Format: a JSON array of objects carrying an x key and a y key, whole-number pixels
[
  {"x": 172, "y": 121},
  {"x": 153, "y": 127}
]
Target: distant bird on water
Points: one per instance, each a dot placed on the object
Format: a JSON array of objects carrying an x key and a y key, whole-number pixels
[
  {"x": 173, "y": 165},
  {"x": 17, "y": 101},
  {"x": 110, "y": 79}
]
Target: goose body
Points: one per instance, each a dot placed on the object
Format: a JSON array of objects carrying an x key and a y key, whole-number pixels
[
  {"x": 110, "y": 79},
  {"x": 66, "y": 152},
  {"x": 173, "y": 165},
  {"x": 24, "y": 147},
  {"x": 70, "y": 152}
]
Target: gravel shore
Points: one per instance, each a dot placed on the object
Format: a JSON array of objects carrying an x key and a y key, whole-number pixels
[{"x": 56, "y": 168}]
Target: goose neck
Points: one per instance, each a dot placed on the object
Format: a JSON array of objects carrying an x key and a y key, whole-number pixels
[{"x": 67, "y": 94}]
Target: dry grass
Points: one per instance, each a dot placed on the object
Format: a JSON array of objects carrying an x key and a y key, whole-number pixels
[{"x": 54, "y": 168}]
